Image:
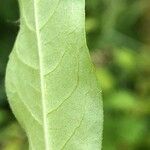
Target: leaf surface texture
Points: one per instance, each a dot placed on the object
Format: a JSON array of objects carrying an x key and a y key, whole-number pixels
[{"x": 50, "y": 80}]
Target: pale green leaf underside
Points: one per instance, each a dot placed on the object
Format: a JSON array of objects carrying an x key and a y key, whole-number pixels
[{"x": 50, "y": 81}]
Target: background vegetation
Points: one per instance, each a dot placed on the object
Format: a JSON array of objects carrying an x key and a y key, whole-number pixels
[{"x": 118, "y": 36}]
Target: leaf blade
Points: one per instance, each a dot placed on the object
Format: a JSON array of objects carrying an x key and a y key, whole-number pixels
[{"x": 55, "y": 78}]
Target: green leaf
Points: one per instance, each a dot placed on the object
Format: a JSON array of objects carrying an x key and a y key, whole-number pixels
[{"x": 50, "y": 80}]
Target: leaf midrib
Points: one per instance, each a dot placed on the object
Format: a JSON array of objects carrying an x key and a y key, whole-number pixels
[{"x": 43, "y": 98}]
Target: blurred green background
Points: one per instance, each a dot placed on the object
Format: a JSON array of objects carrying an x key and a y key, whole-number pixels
[{"x": 118, "y": 36}]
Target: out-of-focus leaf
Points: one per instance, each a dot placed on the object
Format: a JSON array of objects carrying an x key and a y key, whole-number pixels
[
  {"x": 105, "y": 78},
  {"x": 12, "y": 138},
  {"x": 3, "y": 117},
  {"x": 2, "y": 92},
  {"x": 125, "y": 59},
  {"x": 122, "y": 100},
  {"x": 91, "y": 24},
  {"x": 7, "y": 11}
]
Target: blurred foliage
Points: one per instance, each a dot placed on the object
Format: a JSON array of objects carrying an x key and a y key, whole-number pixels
[{"x": 118, "y": 35}]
